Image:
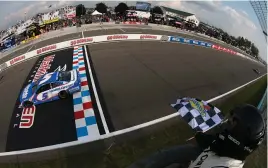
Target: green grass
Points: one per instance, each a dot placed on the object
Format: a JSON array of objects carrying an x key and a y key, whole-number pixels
[
  {"x": 122, "y": 154},
  {"x": 250, "y": 94}
]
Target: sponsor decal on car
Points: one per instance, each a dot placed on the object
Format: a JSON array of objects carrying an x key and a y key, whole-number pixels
[
  {"x": 148, "y": 37},
  {"x": 81, "y": 41},
  {"x": 60, "y": 68},
  {"x": 27, "y": 117},
  {"x": 44, "y": 66},
  {"x": 64, "y": 87},
  {"x": 17, "y": 59},
  {"x": 117, "y": 37},
  {"x": 74, "y": 89},
  {"x": 47, "y": 48},
  {"x": 25, "y": 92}
]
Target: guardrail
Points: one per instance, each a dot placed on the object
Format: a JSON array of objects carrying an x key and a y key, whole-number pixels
[{"x": 114, "y": 37}]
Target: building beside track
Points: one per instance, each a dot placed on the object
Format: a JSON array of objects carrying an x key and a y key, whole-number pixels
[{"x": 169, "y": 13}]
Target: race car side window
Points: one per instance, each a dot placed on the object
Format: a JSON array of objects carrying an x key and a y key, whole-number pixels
[
  {"x": 43, "y": 88},
  {"x": 53, "y": 85}
]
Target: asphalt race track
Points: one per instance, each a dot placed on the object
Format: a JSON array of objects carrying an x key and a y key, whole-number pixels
[
  {"x": 136, "y": 82},
  {"x": 140, "y": 79}
]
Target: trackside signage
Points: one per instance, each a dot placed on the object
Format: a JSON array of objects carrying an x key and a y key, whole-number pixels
[
  {"x": 81, "y": 41},
  {"x": 17, "y": 59},
  {"x": 190, "y": 41},
  {"x": 117, "y": 37},
  {"x": 148, "y": 37},
  {"x": 216, "y": 47},
  {"x": 46, "y": 49},
  {"x": 104, "y": 38}
]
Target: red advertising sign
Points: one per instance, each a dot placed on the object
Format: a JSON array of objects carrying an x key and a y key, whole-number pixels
[
  {"x": 148, "y": 37},
  {"x": 223, "y": 49},
  {"x": 47, "y": 48},
  {"x": 215, "y": 46},
  {"x": 117, "y": 37},
  {"x": 17, "y": 59},
  {"x": 81, "y": 41}
]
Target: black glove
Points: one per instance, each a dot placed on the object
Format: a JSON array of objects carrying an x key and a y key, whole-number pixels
[{"x": 204, "y": 140}]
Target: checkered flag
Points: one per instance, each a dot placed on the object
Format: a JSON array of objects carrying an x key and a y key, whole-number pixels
[{"x": 200, "y": 115}]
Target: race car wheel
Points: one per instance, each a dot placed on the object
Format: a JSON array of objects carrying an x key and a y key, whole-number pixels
[
  {"x": 63, "y": 94},
  {"x": 27, "y": 104}
]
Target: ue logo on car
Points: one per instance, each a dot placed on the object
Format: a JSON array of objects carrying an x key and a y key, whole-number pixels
[{"x": 27, "y": 117}]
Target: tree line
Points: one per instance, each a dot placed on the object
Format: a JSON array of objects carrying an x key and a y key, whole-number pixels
[{"x": 240, "y": 42}]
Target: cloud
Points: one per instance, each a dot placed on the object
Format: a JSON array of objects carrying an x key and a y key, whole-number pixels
[
  {"x": 205, "y": 5},
  {"x": 244, "y": 12},
  {"x": 235, "y": 22}
]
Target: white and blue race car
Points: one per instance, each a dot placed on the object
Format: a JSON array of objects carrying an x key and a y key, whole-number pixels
[{"x": 50, "y": 87}]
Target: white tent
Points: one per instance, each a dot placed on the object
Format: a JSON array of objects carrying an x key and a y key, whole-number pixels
[{"x": 96, "y": 13}]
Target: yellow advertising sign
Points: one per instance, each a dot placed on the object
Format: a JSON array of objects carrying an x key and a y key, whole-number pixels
[
  {"x": 29, "y": 39},
  {"x": 50, "y": 21}
]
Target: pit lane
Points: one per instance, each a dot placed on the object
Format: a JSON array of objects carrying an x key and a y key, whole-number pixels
[{"x": 153, "y": 74}]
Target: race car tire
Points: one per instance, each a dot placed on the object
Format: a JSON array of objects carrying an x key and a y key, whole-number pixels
[
  {"x": 63, "y": 94},
  {"x": 27, "y": 104}
]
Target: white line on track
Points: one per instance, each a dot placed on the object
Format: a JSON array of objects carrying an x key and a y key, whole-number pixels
[
  {"x": 83, "y": 34},
  {"x": 122, "y": 30},
  {"x": 96, "y": 94},
  {"x": 119, "y": 132},
  {"x": 231, "y": 91}
]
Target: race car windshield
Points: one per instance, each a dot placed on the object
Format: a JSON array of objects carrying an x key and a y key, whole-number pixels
[{"x": 64, "y": 76}]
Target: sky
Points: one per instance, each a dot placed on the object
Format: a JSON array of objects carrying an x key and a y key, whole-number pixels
[{"x": 235, "y": 17}]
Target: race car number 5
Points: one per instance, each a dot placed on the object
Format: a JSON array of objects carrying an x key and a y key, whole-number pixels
[
  {"x": 45, "y": 78},
  {"x": 43, "y": 96}
]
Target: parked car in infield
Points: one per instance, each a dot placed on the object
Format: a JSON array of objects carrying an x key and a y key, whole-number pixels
[{"x": 50, "y": 87}]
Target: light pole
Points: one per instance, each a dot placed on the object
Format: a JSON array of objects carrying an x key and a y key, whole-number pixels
[{"x": 25, "y": 16}]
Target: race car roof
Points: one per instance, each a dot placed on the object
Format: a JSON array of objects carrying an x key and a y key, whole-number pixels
[{"x": 48, "y": 78}]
